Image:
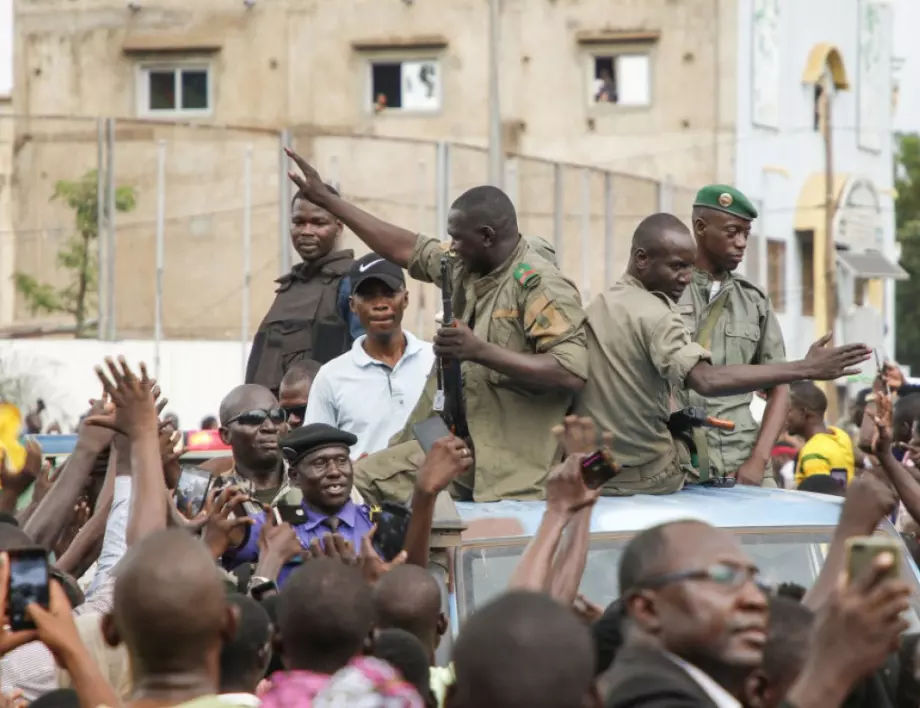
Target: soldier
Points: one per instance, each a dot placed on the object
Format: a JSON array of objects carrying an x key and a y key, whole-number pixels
[
  {"x": 310, "y": 318},
  {"x": 639, "y": 351},
  {"x": 519, "y": 335},
  {"x": 734, "y": 320}
]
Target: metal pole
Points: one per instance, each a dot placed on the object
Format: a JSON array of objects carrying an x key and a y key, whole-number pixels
[
  {"x": 558, "y": 209},
  {"x": 608, "y": 229},
  {"x": 247, "y": 256},
  {"x": 110, "y": 230},
  {"x": 586, "y": 257},
  {"x": 285, "y": 261},
  {"x": 442, "y": 187},
  {"x": 496, "y": 175},
  {"x": 422, "y": 228},
  {"x": 160, "y": 249},
  {"x": 512, "y": 186},
  {"x": 334, "y": 172},
  {"x": 101, "y": 260},
  {"x": 830, "y": 252}
]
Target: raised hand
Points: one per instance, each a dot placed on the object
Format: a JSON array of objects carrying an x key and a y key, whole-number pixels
[
  {"x": 578, "y": 436},
  {"x": 225, "y": 529},
  {"x": 447, "y": 459},
  {"x": 135, "y": 406},
  {"x": 18, "y": 482},
  {"x": 278, "y": 540},
  {"x": 373, "y": 567},
  {"x": 566, "y": 491},
  {"x": 829, "y": 363},
  {"x": 309, "y": 182}
]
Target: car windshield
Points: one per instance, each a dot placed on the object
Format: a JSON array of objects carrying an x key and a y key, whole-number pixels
[{"x": 783, "y": 556}]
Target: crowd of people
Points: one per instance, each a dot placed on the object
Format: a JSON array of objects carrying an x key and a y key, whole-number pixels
[{"x": 278, "y": 590}]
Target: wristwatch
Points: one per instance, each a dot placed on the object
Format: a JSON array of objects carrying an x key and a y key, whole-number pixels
[{"x": 259, "y": 587}]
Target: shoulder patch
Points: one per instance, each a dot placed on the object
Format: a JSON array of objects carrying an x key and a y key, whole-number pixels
[
  {"x": 526, "y": 275},
  {"x": 748, "y": 285}
]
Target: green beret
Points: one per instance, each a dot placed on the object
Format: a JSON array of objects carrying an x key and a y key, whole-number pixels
[
  {"x": 722, "y": 197},
  {"x": 311, "y": 437}
]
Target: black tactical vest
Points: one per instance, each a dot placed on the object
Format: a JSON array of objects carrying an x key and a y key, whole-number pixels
[{"x": 303, "y": 321}]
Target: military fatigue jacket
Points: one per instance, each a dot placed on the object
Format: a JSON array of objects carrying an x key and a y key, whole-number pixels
[
  {"x": 526, "y": 306},
  {"x": 746, "y": 332},
  {"x": 639, "y": 350}
]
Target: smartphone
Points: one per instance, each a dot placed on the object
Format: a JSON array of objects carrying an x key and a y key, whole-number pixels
[
  {"x": 863, "y": 550},
  {"x": 392, "y": 525},
  {"x": 840, "y": 476},
  {"x": 428, "y": 432},
  {"x": 192, "y": 489},
  {"x": 28, "y": 583},
  {"x": 599, "y": 468}
]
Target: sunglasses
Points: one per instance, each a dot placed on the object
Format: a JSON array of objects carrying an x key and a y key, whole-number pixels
[
  {"x": 299, "y": 412},
  {"x": 258, "y": 417}
]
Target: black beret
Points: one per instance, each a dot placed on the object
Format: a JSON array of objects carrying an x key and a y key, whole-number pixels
[{"x": 307, "y": 438}]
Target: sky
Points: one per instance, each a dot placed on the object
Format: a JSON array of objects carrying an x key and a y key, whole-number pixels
[{"x": 6, "y": 47}]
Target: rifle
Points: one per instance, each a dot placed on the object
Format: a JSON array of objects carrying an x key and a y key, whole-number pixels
[{"x": 449, "y": 397}]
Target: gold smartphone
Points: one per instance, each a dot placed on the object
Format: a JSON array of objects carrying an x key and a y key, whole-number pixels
[{"x": 863, "y": 550}]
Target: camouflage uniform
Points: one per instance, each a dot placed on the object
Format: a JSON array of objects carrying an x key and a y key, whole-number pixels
[{"x": 527, "y": 306}]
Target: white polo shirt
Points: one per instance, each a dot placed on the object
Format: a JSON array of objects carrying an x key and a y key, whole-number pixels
[{"x": 366, "y": 397}]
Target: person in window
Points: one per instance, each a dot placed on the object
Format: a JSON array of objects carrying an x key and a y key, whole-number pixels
[
  {"x": 605, "y": 91},
  {"x": 827, "y": 450}
]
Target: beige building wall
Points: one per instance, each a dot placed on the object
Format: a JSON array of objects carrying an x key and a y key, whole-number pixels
[
  {"x": 7, "y": 238},
  {"x": 305, "y": 63}
]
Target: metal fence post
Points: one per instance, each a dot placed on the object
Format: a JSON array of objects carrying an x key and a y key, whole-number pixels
[
  {"x": 422, "y": 228},
  {"x": 160, "y": 252},
  {"x": 608, "y": 229},
  {"x": 284, "y": 205},
  {"x": 101, "y": 251},
  {"x": 442, "y": 187},
  {"x": 112, "y": 327},
  {"x": 512, "y": 187},
  {"x": 558, "y": 213},
  {"x": 334, "y": 172},
  {"x": 247, "y": 256},
  {"x": 586, "y": 259}
]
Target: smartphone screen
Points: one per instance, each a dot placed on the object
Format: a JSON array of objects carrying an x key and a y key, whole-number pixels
[
  {"x": 840, "y": 476},
  {"x": 863, "y": 550},
  {"x": 428, "y": 432},
  {"x": 598, "y": 468},
  {"x": 392, "y": 524},
  {"x": 28, "y": 584},
  {"x": 192, "y": 489}
]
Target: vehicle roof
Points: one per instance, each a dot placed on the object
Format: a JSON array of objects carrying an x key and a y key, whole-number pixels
[
  {"x": 63, "y": 445},
  {"x": 735, "y": 507}
]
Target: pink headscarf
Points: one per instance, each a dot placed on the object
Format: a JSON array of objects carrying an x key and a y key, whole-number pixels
[{"x": 365, "y": 683}]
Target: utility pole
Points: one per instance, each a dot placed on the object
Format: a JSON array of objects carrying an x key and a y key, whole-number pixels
[
  {"x": 829, "y": 263},
  {"x": 496, "y": 171}
]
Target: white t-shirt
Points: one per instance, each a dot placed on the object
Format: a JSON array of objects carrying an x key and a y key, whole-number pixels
[{"x": 367, "y": 398}]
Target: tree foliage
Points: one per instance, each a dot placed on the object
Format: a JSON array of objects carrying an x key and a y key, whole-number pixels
[
  {"x": 78, "y": 257},
  {"x": 907, "y": 219}
]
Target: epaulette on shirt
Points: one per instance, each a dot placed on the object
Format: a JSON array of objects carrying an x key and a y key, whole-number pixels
[
  {"x": 745, "y": 283},
  {"x": 526, "y": 275}
]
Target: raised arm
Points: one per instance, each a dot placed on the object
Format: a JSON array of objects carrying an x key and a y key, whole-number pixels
[
  {"x": 822, "y": 363},
  {"x": 392, "y": 242}
]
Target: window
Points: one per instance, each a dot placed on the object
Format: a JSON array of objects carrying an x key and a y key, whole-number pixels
[
  {"x": 620, "y": 79},
  {"x": 776, "y": 274},
  {"x": 412, "y": 85},
  {"x": 166, "y": 90},
  {"x": 807, "y": 260}
]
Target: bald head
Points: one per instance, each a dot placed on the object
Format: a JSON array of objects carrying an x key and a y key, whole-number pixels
[
  {"x": 526, "y": 650},
  {"x": 170, "y": 607},
  {"x": 488, "y": 206},
  {"x": 246, "y": 398},
  {"x": 409, "y": 598},
  {"x": 659, "y": 232}
]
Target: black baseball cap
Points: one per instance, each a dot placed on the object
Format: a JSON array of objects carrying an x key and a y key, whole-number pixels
[{"x": 376, "y": 267}]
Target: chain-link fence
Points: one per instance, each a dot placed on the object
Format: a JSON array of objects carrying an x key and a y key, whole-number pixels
[{"x": 190, "y": 223}]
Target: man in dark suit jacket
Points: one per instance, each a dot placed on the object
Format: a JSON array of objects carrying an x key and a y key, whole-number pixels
[{"x": 697, "y": 621}]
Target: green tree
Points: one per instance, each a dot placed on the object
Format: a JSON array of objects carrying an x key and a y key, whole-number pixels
[
  {"x": 78, "y": 256},
  {"x": 907, "y": 219}
]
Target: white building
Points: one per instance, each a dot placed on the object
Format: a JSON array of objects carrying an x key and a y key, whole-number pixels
[{"x": 787, "y": 52}]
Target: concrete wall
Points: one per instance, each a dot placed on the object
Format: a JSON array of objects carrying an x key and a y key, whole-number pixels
[
  {"x": 7, "y": 236},
  {"x": 798, "y": 149}
]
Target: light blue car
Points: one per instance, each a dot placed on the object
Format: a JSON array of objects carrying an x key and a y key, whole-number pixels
[{"x": 786, "y": 533}]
